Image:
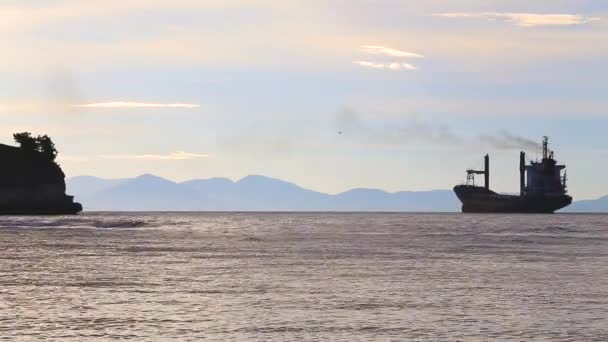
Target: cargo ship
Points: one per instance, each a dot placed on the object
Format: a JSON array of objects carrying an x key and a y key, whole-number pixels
[{"x": 542, "y": 188}]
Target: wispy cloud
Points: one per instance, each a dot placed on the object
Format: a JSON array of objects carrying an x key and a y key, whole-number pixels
[
  {"x": 389, "y": 66},
  {"x": 526, "y": 19},
  {"x": 74, "y": 159},
  {"x": 387, "y": 51},
  {"x": 178, "y": 155},
  {"x": 127, "y": 104}
]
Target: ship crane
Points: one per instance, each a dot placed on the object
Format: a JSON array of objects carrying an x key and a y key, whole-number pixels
[{"x": 486, "y": 172}]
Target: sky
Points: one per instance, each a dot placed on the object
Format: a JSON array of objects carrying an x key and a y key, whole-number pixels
[{"x": 328, "y": 94}]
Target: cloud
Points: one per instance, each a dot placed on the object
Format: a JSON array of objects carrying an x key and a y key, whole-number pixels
[
  {"x": 54, "y": 12},
  {"x": 73, "y": 159},
  {"x": 387, "y": 52},
  {"x": 526, "y": 19},
  {"x": 388, "y": 66},
  {"x": 178, "y": 155},
  {"x": 383, "y": 50},
  {"x": 126, "y": 104},
  {"x": 369, "y": 64}
]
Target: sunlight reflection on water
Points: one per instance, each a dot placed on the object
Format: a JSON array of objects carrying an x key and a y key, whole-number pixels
[{"x": 304, "y": 277}]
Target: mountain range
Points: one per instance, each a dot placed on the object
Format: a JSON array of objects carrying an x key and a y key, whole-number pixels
[
  {"x": 259, "y": 193},
  {"x": 252, "y": 193},
  {"x": 599, "y": 205}
]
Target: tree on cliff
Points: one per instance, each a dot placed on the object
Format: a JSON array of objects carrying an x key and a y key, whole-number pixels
[
  {"x": 25, "y": 140},
  {"x": 42, "y": 144},
  {"x": 47, "y": 146}
]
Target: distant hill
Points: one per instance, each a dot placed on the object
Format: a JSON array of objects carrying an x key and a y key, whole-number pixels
[
  {"x": 252, "y": 193},
  {"x": 89, "y": 185},
  {"x": 259, "y": 193},
  {"x": 599, "y": 205}
]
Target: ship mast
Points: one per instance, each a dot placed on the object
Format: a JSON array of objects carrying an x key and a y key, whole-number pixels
[
  {"x": 486, "y": 172},
  {"x": 547, "y": 154},
  {"x": 522, "y": 173}
]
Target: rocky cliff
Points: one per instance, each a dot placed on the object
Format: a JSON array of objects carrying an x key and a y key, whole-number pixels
[{"x": 32, "y": 183}]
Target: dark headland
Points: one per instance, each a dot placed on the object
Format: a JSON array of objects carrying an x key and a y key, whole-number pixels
[{"x": 32, "y": 182}]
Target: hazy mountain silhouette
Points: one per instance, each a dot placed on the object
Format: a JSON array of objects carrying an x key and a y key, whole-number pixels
[
  {"x": 146, "y": 192},
  {"x": 252, "y": 193},
  {"x": 89, "y": 185},
  {"x": 589, "y": 206},
  {"x": 259, "y": 193}
]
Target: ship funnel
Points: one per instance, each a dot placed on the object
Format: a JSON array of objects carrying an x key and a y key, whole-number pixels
[
  {"x": 487, "y": 172},
  {"x": 522, "y": 173}
]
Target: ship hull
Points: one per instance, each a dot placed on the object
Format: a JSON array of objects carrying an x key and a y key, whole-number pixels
[{"x": 481, "y": 200}]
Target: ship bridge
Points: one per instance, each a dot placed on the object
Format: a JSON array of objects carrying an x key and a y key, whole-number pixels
[{"x": 544, "y": 177}]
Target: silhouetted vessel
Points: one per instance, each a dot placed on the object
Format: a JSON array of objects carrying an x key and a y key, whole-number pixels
[
  {"x": 542, "y": 188},
  {"x": 31, "y": 182}
]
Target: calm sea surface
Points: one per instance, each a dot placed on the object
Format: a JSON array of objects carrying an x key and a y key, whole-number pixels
[{"x": 304, "y": 277}]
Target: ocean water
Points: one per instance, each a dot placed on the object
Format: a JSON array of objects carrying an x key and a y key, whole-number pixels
[{"x": 304, "y": 277}]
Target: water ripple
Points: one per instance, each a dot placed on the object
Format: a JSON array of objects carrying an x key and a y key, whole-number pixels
[{"x": 303, "y": 277}]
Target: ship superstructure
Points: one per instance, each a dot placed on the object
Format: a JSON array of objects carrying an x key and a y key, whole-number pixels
[{"x": 542, "y": 188}]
